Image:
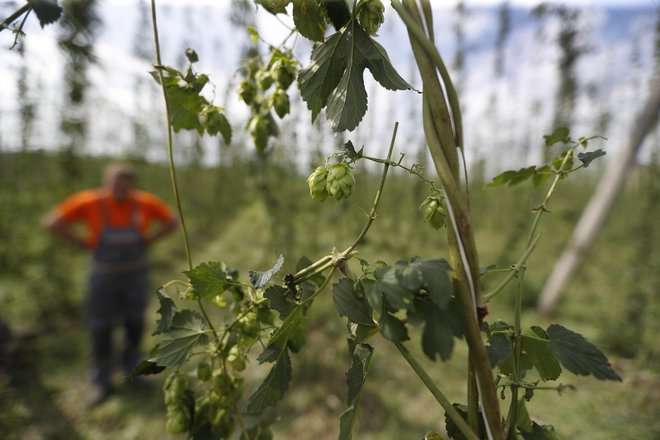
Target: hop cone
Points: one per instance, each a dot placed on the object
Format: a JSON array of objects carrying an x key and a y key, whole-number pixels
[
  {"x": 434, "y": 213},
  {"x": 340, "y": 181},
  {"x": 371, "y": 15},
  {"x": 317, "y": 184}
]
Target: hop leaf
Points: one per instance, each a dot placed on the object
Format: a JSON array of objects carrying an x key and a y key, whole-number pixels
[
  {"x": 371, "y": 14},
  {"x": 317, "y": 184},
  {"x": 340, "y": 181}
]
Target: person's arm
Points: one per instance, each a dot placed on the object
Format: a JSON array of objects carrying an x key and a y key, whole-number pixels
[
  {"x": 163, "y": 228},
  {"x": 54, "y": 223}
]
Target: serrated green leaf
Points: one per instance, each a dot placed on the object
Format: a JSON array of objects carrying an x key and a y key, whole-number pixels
[
  {"x": 291, "y": 334},
  {"x": 587, "y": 158},
  {"x": 435, "y": 279},
  {"x": 512, "y": 178},
  {"x": 335, "y": 79},
  {"x": 392, "y": 328},
  {"x": 186, "y": 332},
  {"x": 499, "y": 349},
  {"x": 452, "y": 429},
  {"x": 48, "y": 11},
  {"x": 537, "y": 432},
  {"x": 349, "y": 304},
  {"x": 347, "y": 152},
  {"x": 537, "y": 348},
  {"x": 166, "y": 310},
  {"x": 388, "y": 283},
  {"x": 438, "y": 333},
  {"x": 260, "y": 279},
  {"x": 372, "y": 294},
  {"x": 274, "y": 6},
  {"x": 309, "y": 20},
  {"x": 272, "y": 389},
  {"x": 209, "y": 280},
  {"x": 146, "y": 368},
  {"x": 541, "y": 175},
  {"x": 355, "y": 378},
  {"x": 578, "y": 355},
  {"x": 280, "y": 301},
  {"x": 560, "y": 134}
]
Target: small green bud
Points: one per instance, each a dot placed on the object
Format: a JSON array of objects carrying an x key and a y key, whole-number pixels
[
  {"x": 317, "y": 184},
  {"x": 340, "y": 181},
  {"x": 371, "y": 14},
  {"x": 434, "y": 213}
]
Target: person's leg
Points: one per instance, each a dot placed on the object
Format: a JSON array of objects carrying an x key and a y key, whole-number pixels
[
  {"x": 101, "y": 310},
  {"x": 134, "y": 306}
]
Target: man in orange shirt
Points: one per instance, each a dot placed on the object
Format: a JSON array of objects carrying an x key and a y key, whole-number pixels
[{"x": 119, "y": 223}]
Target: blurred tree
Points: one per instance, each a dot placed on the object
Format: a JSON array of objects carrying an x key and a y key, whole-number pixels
[
  {"x": 503, "y": 32},
  {"x": 78, "y": 28},
  {"x": 570, "y": 51}
]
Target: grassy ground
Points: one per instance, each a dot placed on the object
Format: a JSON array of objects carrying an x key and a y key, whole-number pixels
[{"x": 43, "y": 390}]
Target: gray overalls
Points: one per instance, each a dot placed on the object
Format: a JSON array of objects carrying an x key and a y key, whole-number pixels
[{"x": 118, "y": 287}]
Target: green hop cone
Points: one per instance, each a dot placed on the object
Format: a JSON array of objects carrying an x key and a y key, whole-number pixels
[
  {"x": 264, "y": 79},
  {"x": 178, "y": 420},
  {"x": 204, "y": 371},
  {"x": 371, "y": 14},
  {"x": 247, "y": 91},
  {"x": 283, "y": 72},
  {"x": 340, "y": 181},
  {"x": 280, "y": 101},
  {"x": 434, "y": 213},
  {"x": 317, "y": 184}
]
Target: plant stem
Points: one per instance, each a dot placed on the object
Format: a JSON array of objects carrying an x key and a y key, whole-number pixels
[
  {"x": 516, "y": 267},
  {"x": 9, "y": 20},
  {"x": 437, "y": 393},
  {"x": 170, "y": 155},
  {"x": 441, "y": 140}
]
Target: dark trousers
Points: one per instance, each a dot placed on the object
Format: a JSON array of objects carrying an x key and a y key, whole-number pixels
[{"x": 115, "y": 297}]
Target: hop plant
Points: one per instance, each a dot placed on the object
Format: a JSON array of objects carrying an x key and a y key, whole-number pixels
[
  {"x": 317, "y": 184},
  {"x": 371, "y": 14},
  {"x": 340, "y": 181},
  {"x": 434, "y": 213}
]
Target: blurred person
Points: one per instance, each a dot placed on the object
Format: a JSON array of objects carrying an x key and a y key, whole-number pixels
[{"x": 119, "y": 223}]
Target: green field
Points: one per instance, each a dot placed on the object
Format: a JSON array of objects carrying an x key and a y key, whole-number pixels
[{"x": 248, "y": 221}]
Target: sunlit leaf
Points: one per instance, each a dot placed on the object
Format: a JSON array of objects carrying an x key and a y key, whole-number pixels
[
  {"x": 309, "y": 20},
  {"x": 260, "y": 279}
]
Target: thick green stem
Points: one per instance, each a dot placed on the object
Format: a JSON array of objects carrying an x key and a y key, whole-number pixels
[
  {"x": 439, "y": 396},
  {"x": 464, "y": 261}
]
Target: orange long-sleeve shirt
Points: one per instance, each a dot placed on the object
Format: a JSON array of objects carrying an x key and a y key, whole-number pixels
[{"x": 85, "y": 207}]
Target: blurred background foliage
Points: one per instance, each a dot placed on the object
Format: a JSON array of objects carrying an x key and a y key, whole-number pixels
[{"x": 246, "y": 213}]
